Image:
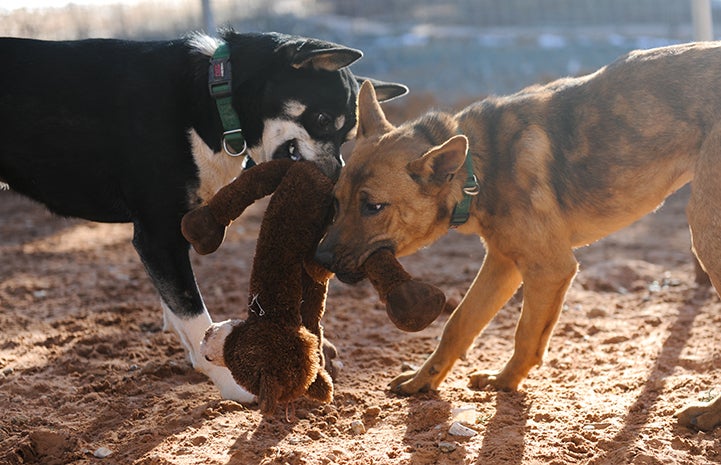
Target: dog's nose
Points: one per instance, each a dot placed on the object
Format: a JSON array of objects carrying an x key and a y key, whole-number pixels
[
  {"x": 324, "y": 257},
  {"x": 330, "y": 166}
]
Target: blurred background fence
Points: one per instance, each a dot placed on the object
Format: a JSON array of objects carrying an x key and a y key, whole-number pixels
[{"x": 454, "y": 50}]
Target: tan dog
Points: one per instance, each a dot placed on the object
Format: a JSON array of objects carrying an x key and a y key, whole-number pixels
[{"x": 557, "y": 167}]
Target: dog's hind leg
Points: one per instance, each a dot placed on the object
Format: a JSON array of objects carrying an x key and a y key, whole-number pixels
[
  {"x": 495, "y": 283},
  {"x": 705, "y": 222},
  {"x": 164, "y": 253}
]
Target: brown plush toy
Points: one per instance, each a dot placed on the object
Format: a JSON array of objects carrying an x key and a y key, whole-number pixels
[{"x": 276, "y": 353}]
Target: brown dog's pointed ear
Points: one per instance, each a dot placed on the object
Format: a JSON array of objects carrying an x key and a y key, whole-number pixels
[
  {"x": 371, "y": 119},
  {"x": 441, "y": 163}
]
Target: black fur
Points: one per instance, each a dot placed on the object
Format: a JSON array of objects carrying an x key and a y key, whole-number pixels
[{"x": 98, "y": 129}]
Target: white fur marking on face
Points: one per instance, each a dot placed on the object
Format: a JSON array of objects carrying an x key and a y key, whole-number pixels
[
  {"x": 339, "y": 122},
  {"x": 191, "y": 332},
  {"x": 279, "y": 131},
  {"x": 294, "y": 109},
  {"x": 215, "y": 169}
]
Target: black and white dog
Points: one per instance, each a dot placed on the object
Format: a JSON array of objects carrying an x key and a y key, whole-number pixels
[{"x": 124, "y": 131}]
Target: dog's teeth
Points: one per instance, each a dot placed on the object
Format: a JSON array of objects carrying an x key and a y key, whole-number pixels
[{"x": 293, "y": 151}]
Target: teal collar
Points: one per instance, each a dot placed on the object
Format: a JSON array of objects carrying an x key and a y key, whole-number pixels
[
  {"x": 471, "y": 188},
  {"x": 220, "y": 87}
]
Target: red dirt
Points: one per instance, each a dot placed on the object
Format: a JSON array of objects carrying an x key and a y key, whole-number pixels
[{"x": 84, "y": 362}]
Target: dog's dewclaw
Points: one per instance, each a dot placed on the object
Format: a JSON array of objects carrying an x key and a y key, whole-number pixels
[{"x": 414, "y": 305}]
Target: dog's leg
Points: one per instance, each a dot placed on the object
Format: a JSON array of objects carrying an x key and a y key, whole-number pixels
[
  {"x": 495, "y": 283},
  {"x": 544, "y": 288},
  {"x": 705, "y": 220},
  {"x": 168, "y": 264}
]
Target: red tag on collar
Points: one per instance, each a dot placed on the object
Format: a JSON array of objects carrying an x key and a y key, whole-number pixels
[{"x": 219, "y": 70}]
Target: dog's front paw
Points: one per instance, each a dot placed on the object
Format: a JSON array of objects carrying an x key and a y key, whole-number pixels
[
  {"x": 411, "y": 382},
  {"x": 229, "y": 389},
  {"x": 704, "y": 417},
  {"x": 491, "y": 379}
]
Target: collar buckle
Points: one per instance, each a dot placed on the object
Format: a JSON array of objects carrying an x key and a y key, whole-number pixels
[
  {"x": 236, "y": 139},
  {"x": 471, "y": 187}
]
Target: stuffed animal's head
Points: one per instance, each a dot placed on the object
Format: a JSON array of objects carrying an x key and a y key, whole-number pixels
[{"x": 276, "y": 362}]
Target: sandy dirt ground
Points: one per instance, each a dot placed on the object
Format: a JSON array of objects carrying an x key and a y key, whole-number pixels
[{"x": 86, "y": 369}]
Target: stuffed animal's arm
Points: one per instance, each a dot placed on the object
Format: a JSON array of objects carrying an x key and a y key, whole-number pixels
[
  {"x": 204, "y": 227},
  {"x": 252, "y": 184},
  {"x": 411, "y": 305}
]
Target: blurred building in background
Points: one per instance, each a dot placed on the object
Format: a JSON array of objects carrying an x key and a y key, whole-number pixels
[{"x": 455, "y": 50}]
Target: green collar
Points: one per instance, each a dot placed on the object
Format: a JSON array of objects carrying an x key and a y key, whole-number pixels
[
  {"x": 461, "y": 212},
  {"x": 220, "y": 87}
]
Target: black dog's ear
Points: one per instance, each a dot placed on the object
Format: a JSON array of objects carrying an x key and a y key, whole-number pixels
[
  {"x": 254, "y": 52},
  {"x": 385, "y": 91},
  {"x": 319, "y": 55}
]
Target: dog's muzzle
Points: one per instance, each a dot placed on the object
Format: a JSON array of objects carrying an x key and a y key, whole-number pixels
[{"x": 328, "y": 162}]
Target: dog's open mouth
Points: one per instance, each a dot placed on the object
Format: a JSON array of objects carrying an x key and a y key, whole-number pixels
[{"x": 288, "y": 150}]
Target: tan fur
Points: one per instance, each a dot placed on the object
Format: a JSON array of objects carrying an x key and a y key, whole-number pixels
[
  {"x": 216, "y": 169},
  {"x": 559, "y": 166}
]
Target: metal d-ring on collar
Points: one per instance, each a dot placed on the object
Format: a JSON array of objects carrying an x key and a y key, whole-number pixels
[
  {"x": 220, "y": 87},
  {"x": 471, "y": 188}
]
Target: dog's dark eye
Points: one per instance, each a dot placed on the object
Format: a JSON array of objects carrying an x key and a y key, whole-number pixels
[
  {"x": 323, "y": 120},
  {"x": 370, "y": 209}
]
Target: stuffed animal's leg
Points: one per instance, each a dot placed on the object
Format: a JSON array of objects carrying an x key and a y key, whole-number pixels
[
  {"x": 291, "y": 229},
  {"x": 311, "y": 310}
]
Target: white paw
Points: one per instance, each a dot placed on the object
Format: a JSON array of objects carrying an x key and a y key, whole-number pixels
[{"x": 229, "y": 389}]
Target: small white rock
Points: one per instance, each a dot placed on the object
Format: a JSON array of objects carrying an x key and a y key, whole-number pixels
[
  {"x": 458, "y": 429},
  {"x": 446, "y": 447},
  {"x": 357, "y": 427},
  {"x": 102, "y": 452}
]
